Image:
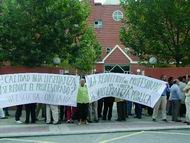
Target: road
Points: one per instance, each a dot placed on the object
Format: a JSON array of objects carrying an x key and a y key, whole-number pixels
[{"x": 170, "y": 136}]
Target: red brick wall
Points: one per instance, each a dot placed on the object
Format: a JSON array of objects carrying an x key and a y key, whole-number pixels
[
  {"x": 173, "y": 71},
  {"x": 99, "y": 68},
  {"x": 134, "y": 67}
]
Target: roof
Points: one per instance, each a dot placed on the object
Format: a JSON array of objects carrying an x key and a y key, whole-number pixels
[{"x": 118, "y": 56}]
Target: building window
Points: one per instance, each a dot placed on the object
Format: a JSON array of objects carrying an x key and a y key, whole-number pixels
[
  {"x": 117, "y": 15},
  {"x": 108, "y": 50},
  {"x": 98, "y": 24}
]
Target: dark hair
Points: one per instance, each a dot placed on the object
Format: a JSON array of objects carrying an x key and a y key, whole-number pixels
[
  {"x": 175, "y": 81},
  {"x": 180, "y": 78}
]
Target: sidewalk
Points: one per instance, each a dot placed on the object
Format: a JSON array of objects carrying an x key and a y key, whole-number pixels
[{"x": 9, "y": 128}]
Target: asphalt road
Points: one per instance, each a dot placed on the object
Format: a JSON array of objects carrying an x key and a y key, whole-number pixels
[{"x": 170, "y": 136}]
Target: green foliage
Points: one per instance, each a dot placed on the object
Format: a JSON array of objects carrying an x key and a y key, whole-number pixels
[
  {"x": 34, "y": 31},
  {"x": 90, "y": 50},
  {"x": 158, "y": 27}
]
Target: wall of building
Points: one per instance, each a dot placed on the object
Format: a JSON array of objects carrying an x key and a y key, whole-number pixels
[
  {"x": 169, "y": 72},
  {"x": 99, "y": 68}
]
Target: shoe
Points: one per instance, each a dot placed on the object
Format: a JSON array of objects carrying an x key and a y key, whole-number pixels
[
  {"x": 165, "y": 120},
  {"x": 19, "y": 122},
  {"x": 56, "y": 123},
  {"x": 188, "y": 123},
  {"x": 177, "y": 120},
  {"x": 48, "y": 122},
  {"x": 137, "y": 117},
  {"x": 96, "y": 121},
  {"x": 68, "y": 121},
  {"x": 89, "y": 121},
  {"x": 154, "y": 120},
  {"x": 4, "y": 118},
  {"x": 86, "y": 122}
]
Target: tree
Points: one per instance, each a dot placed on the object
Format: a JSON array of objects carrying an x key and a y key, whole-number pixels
[
  {"x": 34, "y": 31},
  {"x": 158, "y": 28},
  {"x": 90, "y": 52}
]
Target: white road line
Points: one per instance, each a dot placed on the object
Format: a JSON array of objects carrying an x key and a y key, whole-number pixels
[
  {"x": 23, "y": 140},
  {"x": 167, "y": 133},
  {"x": 121, "y": 137}
]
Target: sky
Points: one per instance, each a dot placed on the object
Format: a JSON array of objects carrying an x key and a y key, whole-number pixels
[
  {"x": 108, "y": 1},
  {"x": 102, "y": 1}
]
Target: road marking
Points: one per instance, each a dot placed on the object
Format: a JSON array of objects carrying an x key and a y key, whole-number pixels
[
  {"x": 168, "y": 133},
  {"x": 121, "y": 137},
  {"x": 23, "y": 140}
]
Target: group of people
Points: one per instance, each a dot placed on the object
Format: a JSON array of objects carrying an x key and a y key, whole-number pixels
[{"x": 175, "y": 101}]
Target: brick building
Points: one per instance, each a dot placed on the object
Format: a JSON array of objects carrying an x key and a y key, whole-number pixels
[{"x": 107, "y": 21}]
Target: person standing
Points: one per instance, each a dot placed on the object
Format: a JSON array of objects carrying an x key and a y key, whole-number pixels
[
  {"x": 30, "y": 111},
  {"x": 18, "y": 114},
  {"x": 175, "y": 98},
  {"x": 2, "y": 114},
  {"x": 138, "y": 110},
  {"x": 182, "y": 84},
  {"x": 121, "y": 109},
  {"x": 82, "y": 102},
  {"x": 108, "y": 106},
  {"x": 93, "y": 111},
  {"x": 6, "y": 111},
  {"x": 52, "y": 112},
  {"x": 187, "y": 102},
  {"x": 161, "y": 102},
  {"x": 69, "y": 110},
  {"x": 100, "y": 107}
]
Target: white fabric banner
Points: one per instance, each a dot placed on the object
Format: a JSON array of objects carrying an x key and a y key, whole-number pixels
[
  {"x": 16, "y": 89},
  {"x": 136, "y": 88}
]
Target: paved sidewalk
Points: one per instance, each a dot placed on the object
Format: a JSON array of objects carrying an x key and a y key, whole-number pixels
[{"x": 9, "y": 128}]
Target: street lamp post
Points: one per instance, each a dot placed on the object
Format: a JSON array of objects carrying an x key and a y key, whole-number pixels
[
  {"x": 153, "y": 61},
  {"x": 56, "y": 61}
]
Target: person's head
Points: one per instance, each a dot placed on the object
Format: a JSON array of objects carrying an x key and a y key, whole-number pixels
[
  {"x": 163, "y": 77},
  {"x": 180, "y": 78},
  {"x": 184, "y": 79},
  {"x": 176, "y": 81},
  {"x": 82, "y": 82},
  {"x": 170, "y": 80}
]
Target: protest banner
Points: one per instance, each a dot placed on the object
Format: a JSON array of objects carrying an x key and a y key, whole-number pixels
[
  {"x": 16, "y": 89},
  {"x": 135, "y": 88}
]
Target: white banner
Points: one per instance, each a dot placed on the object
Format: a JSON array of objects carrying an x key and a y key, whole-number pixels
[
  {"x": 16, "y": 89},
  {"x": 136, "y": 88}
]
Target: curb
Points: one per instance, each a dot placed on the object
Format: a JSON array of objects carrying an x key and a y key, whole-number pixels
[{"x": 37, "y": 134}]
